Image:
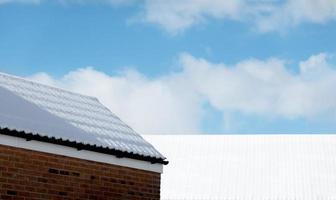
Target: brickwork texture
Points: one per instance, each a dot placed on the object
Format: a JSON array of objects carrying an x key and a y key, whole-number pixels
[{"x": 26, "y": 175}]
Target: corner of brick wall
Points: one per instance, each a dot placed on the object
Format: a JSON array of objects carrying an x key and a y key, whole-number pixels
[{"x": 26, "y": 174}]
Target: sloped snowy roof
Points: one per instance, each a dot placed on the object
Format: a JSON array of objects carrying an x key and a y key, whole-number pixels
[
  {"x": 55, "y": 113},
  {"x": 248, "y": 167}
]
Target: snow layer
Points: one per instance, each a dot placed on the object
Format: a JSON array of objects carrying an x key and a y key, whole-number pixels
[
  {"x": 45, "y": 110},
  {"x": 248, "y": 167}
]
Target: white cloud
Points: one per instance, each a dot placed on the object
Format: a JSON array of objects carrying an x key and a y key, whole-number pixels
[
  {"x": 175, "y": 16},
  {"x": 163, "y": 105},
  {"x": 316, "y": 66},
  {"x": 266, "y": 87},
  {"x": 174, "y": 103},
  {"x": 295, "y": 12}
]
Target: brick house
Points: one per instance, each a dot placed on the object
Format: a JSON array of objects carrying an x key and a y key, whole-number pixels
[{"x": 56, "y": 144}]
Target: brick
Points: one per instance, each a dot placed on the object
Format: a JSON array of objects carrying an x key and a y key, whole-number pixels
[{"x": 30, "y": 175}]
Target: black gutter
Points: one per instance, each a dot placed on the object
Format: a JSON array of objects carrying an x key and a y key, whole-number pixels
[{"x": 81, "y": 146}]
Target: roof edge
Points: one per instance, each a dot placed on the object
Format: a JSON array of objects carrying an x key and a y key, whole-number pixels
[{"x": 81, "y": 146}]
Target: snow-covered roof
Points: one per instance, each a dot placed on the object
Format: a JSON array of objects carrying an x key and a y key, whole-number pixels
[
  {"x": 55, "y": 113},
  {"x": 248, "y": 167}
]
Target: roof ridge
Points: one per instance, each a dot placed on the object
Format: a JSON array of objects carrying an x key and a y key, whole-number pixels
[{"x": 45, "y": 85}]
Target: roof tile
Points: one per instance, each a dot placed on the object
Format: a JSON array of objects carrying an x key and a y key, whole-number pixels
[{"x": 82, "y": 112}]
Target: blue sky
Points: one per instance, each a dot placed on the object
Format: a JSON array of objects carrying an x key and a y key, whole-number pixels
[{"x": 142, "y": 58}]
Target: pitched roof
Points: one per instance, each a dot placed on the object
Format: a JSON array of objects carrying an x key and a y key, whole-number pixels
[
  {"x": 55, "y": 115},
  {"x": 248, "y": 167}
]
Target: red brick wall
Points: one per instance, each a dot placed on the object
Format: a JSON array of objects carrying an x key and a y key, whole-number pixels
[{"x": 26, "y": 174}]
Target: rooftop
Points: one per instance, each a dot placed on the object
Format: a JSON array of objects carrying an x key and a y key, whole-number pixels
[
  {"x": 248, "y": 167},
  {"x": 50, "y": 114}
]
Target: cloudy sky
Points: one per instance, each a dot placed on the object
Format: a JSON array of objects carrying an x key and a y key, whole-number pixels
[{"x": 184, "y": 66}]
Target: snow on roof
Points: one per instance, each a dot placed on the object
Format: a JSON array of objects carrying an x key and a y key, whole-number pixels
[
  {"x": 248, "y": 167},
  {"x": 47, "y": 111}
]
